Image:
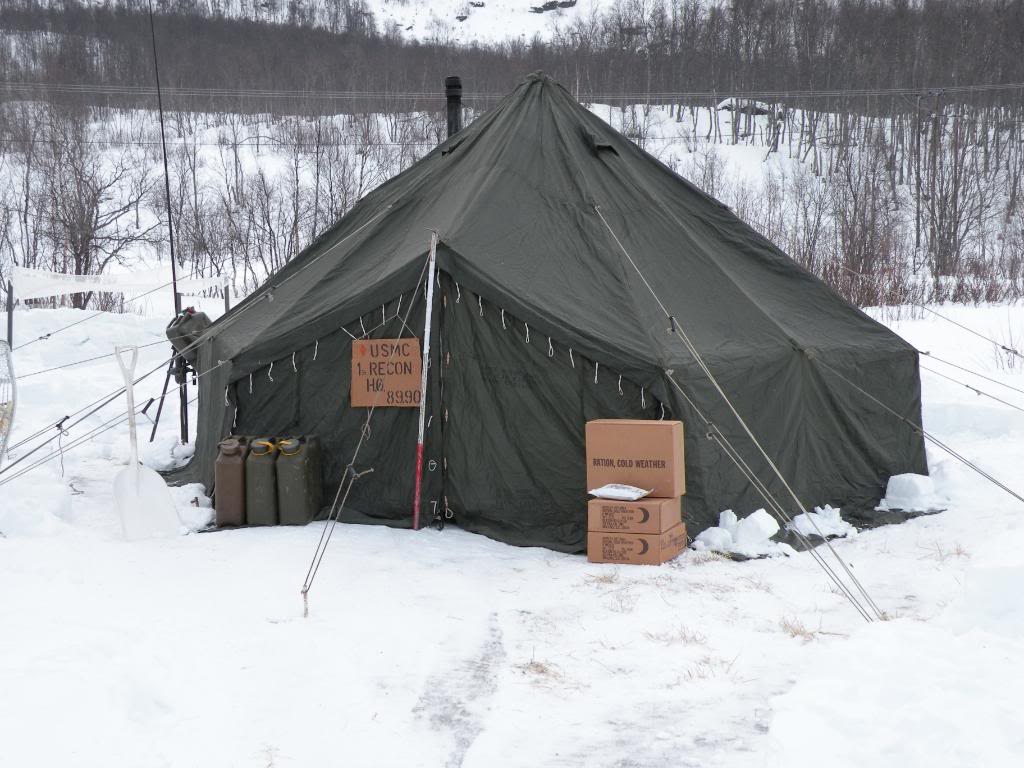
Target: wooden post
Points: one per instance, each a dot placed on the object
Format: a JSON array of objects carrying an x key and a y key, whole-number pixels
[{"x": 431, "y": 267}]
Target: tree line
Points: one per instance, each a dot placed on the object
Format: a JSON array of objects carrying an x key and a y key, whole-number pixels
[
  {"x": 889, "y": 197},
  {"x": 635, "y": 49}
]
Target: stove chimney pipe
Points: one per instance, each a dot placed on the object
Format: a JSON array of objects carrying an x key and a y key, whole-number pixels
[{"x": 453, "y": 92}]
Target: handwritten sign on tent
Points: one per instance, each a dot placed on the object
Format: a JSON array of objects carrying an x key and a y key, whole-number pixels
[{"x": 386, "y": 373}]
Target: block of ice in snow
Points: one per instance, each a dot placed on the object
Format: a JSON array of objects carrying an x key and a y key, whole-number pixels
[
  {"x": 718, "y": 539},
  {"x": 909, "y": 491},
  {"x": 755, "y": 529},
  {"x": 823, "y": 521},
  {"x": 751, "y": 536}
]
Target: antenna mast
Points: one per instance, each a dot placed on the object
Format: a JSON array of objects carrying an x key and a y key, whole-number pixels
[{"x": 180, "y": 373}]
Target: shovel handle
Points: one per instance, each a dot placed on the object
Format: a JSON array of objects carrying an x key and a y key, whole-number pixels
[
  {"x": 127, "y": 358},
  {"x": 127, "y": 368}
]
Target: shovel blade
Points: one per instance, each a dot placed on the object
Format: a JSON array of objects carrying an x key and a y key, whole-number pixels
[{"x": 145, "y": 504}]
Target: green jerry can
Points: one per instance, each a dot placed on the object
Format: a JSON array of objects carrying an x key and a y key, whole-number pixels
[
  {"x": 229, "y": 481},
  {"x": 299, "y": 489},
  {"x": 261, "y": 482}
]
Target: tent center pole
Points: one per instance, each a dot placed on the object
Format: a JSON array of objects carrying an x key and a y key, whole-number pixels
[{"x": 431, "y": 271}]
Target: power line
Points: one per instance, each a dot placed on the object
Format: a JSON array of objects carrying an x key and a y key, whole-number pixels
[{"x": 349, "y": 95}]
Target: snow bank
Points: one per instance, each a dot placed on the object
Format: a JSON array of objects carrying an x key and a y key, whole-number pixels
[
  {"x": 27, "y": 512},
  {"x": 751, "y": 536},
  {"x": 893, "y": 690},
  {"x": 130, "y": 645}
]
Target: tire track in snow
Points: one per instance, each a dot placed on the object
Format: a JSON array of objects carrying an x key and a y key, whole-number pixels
[{"x": 455, "y": 700}]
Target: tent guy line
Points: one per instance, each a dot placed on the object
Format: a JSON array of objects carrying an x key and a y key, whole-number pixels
[
  {"x": 350, "y": 473},
  {"x": 970, "y": 371},
  {"x": 266, "y": 292},
  {"x": 924, "y": 433},
  {"x": 678, "y": 331},
  {"x": 715, "y": 434},
  {"x": 975, "y": 390},
  {"x": 62, "y": 430}
]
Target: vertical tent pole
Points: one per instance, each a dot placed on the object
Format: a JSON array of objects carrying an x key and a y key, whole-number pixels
[{"x": 431, "y": 266}]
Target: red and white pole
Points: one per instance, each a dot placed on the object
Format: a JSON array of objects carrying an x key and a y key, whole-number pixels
[{"x": 431, "y": 271}]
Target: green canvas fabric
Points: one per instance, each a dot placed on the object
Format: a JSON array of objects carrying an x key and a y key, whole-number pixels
[{"x": 515, "y": 198}]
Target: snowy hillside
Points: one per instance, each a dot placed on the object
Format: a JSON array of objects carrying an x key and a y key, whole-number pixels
[
  {"x": 446, "y": 648},
  {"x": 449, "y": 21},
  {"x": 480, "y": 21}
]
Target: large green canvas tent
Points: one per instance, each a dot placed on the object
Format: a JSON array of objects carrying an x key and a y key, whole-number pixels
[{"x": 540, "y": 324}]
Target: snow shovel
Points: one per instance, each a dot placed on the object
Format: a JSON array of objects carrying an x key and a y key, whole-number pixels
[{"x": 141, "y": 495}]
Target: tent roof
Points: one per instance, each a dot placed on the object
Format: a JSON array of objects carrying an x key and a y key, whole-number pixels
[{"x": 515, "y": 198}]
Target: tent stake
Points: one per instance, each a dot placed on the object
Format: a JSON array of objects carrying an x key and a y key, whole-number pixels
[{"x": 431, "y": 266}]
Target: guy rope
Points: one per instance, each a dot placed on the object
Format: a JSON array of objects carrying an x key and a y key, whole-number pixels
[
  {"x": 350, "y": 474},
  {"x": 867, "y": 609}
]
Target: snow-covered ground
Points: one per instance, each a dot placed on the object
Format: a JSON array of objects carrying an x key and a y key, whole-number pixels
[{"x": 430, "y": 649}]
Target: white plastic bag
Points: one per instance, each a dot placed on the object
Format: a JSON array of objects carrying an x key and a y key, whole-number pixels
[{"x": 619, "y": 492}]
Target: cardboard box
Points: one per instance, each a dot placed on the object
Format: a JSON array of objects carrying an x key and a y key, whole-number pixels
[
  {"x": 648, "y": 515},
  {"x": 635, "y": 548},
  {"x": 647, "y": 454}
]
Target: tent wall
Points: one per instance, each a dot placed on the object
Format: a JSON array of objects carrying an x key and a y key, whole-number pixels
[
  {"x": 832, "y": 445},
  {"x": 515, "y": 412},
  {"x": 315, "y": 399}
]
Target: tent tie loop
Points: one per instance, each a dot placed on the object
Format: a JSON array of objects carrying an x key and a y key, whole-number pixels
[
  {"x": 234, "y": 419},
  {"x": 620, "y": 388},
  {"x": 362, "y": 326},
  {"x": 270, "y": 371},
  {"x": 227, "y": 403},
  {"x": 643, "y": 401},
  {"x": 503, "y": 319},
  {"x": 527, "y": 332},
  {"x": 316, "y": 346},
  {"x": 383, "y": 317},
  {"x": 571, "y": 361},
  {"x": 250, "y": 383},
  {"x": 398, "y": 309},
  {"x": 458, "y": 293},
  {"x": 597, "y": 367},
  {"x": 295, "y": 368},
  {"x": 551, "y": 349},
  {"x": 662, "y": 417}
]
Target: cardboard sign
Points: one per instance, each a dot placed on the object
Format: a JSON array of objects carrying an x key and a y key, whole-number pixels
[{"x": 386, "y": 373}]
